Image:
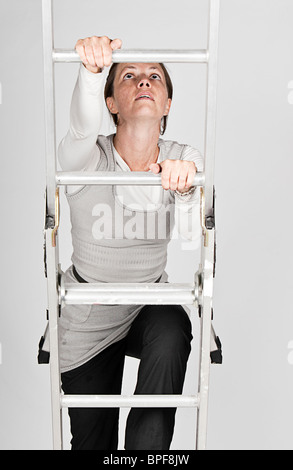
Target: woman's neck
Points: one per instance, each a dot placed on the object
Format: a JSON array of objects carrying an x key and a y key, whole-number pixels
[{"x": 138, "y": 147}]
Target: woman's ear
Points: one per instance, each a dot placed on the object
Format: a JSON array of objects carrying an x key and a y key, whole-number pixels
[
  {"x": 168, "y": 106},
  {"x": 111, "y": 105}
]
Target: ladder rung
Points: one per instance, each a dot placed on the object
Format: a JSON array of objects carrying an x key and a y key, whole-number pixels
[
  {"x": 129, "y": 294},
  {"x": 134, "y": 401},
  {"x": 141, "y": 55},
  {"x": 113, "y": 177}
]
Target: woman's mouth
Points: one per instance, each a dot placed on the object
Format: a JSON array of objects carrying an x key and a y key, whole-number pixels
[{"x": 144, "y": 96}]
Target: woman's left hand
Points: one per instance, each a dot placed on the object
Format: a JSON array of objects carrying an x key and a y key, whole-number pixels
[{"x": 176, "y": 174}]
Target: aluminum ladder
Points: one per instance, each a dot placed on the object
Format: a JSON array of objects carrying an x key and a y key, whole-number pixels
[{"x": 199, "y": 293}]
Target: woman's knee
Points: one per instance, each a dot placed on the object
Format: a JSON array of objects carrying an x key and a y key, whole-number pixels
[{"x": 170, "y": 328}]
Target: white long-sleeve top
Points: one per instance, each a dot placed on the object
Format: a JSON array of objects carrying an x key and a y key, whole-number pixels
[{"x": 78, "y": 151}]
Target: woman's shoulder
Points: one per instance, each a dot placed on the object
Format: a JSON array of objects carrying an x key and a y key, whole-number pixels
[{"x": 172, "y": 149}]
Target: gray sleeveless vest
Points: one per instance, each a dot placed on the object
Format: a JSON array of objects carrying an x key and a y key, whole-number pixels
[
  {"x": 111, "y": 243},
  {"x": 115, "y": 243}
]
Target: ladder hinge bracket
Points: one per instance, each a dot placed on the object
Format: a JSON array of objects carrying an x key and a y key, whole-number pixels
[
  {"x": 210, "y": 222},
  {"x": 50, "y": 223}
]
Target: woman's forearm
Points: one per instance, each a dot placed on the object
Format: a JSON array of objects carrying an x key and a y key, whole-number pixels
[{"x": 78, "y": 147}]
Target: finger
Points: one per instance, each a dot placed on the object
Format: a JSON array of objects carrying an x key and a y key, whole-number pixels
[
  {"x": 116, "y": 44},
  {"x": 99, "y": 56},
  {"x": 97, "y": 51},
  {"x": 81, "y": 52},
  {"x": 182, "y": 181},
  {"x": 103, "y": 51},
  {"x": 155, "y": 168},
  {"x": 107, "y": 55},
  {"x": 174, "y": 177},
  {"x": 90, "y": 55},
  {"x": 175, "y": 168},
  {"x": 190, "y": 176},
  {"x": 165, "y": 178}
]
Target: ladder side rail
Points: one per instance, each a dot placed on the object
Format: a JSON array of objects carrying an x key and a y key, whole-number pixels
[
  {"x": 49, "y": 101},
  {"x": 53, "y": 312},
  {"x": 205, "y": 340},
  {"x": 211, "y": 105},
  {"x": 208, "y": 239},
  {"x": 52, "y": 252}
]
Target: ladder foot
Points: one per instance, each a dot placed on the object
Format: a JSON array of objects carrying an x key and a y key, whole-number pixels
[
  {"x": 216, "y": 355},
  {"x": 43, "y": 356}
]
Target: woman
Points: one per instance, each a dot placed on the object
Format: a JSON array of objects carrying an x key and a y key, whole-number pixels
[{"x": 110, "y": 228}]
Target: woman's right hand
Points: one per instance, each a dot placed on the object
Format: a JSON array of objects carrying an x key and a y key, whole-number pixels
[{"x": 96, "y": 52}]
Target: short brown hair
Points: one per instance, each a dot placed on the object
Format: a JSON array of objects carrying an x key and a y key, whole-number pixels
[{"x": 109, "y": 91}]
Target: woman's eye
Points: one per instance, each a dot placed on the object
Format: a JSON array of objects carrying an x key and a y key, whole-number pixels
[
  {"x": 155, "y": 76},
  {"x": 128, "y": 76}
]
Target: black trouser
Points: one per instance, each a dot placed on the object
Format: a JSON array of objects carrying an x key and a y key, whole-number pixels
[{"x": 160, "y": 337}]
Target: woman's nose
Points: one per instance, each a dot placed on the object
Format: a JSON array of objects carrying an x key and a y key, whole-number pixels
[{"x": 144, "y": 82}]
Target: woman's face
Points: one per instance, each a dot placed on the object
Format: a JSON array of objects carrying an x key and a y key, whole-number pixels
[{"x": 140, "y": 93}]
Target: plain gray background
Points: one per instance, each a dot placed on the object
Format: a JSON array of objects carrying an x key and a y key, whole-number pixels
[{"x": 251, "y": 399}]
